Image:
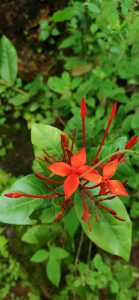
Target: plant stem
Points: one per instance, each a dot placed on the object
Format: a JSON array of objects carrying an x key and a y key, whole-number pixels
[
  {"x": 89, "y": 251},
  {"x": 79, "y": 249},
  {"x": 14, "y": 88}
]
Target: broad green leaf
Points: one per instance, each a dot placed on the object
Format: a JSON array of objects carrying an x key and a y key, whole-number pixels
[
  {"x": 58, "y": 252},
  {"x": 39, "y": 256},
  {"x": 19, "y": 210},
  {"x": 64, "y": 14},
  {"x": 48, "y": 138},
  {"x": 8, "y": 61},
  {"x": 109, "y": 233},
  {"x": 53, "y": 271}
]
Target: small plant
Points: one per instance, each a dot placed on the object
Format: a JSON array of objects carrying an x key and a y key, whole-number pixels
[{"x": 86, "y": 187}]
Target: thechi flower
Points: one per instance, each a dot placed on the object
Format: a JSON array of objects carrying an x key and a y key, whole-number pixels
[{"x": 72, "y": 172}]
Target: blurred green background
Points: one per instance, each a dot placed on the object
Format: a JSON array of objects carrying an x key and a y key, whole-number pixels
[{"x": 51, "y": 54}]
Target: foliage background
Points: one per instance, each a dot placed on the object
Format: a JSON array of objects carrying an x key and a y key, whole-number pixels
[{"x": 91, "y": 49}]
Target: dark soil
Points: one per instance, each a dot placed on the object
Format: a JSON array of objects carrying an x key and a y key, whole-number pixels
[{"x": 19, "y": 21}]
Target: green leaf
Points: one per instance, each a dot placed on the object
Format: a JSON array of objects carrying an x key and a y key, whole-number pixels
[
  {"x": 98, "y": 262},
  {"x": 48, "y": 215},
  {"x": 64, "y": 14},
  {"x": 41, "y": 234},
  {"x": 93, "y": 8},
  {"x": 19, "y": 210},
  {"x": 8, "y": 60},
  {"x": 109, "y": 233},
  {"x": 68, "y": 42},
  {"x": 58, "y": 85},
  {"x": 134, "y": 121},
  {"x": 2, "y": 88},
  {"x": 18, "y": 100},
  {"x": 134, "y": 212},
  {"x": 48, "y": 138},
  {"x": 39, "y": 256},
  {"x": 71, "y": 222},
  {"x": 58, "y": 252},
  {"x": 38, "y": 234},
  {"x": 53, "y": 271}
]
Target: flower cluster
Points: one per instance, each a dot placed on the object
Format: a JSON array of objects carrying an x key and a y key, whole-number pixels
[{"x": 77, "y": 174}]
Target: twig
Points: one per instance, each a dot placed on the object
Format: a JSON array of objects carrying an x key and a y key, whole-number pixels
[
  {"x": 79, "y": 249},
  {"x": 89, "y": 251}
]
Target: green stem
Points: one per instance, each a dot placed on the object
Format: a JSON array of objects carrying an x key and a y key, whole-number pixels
[
  {"x": 14, "y": 88},
  {"x": 79, "y": 249},
  {"x": 107, "y": 157}
]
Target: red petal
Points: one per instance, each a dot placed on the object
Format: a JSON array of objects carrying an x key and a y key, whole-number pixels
[
  {"x": 79, "y": 159},
  {"x": 110, "y": 168},
  {"x": 60, "y": 168},
  {"x": 117, "y": 188},
  {"x": 92, "y": 176},
  {"x": 70, "y": 185}
]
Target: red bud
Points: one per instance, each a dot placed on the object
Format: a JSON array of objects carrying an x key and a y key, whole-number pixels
[
  {"x": 18, "y": 195},
  {"x": 113, "y": 111},
  {"x": 131, "y": 142},
  {"x": 85, "y": 215},
  {"x": 83, "y": 108},
  {"x": 13, "y": 195}
]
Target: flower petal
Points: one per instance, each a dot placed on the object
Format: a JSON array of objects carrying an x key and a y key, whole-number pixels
[
  {"x": 92, "y": 176},
  {"x": 116, "y": 188},
  {"x": 60, "y": 168},
  {"x": 110, "y": 168},
  {"x": 79, "y": 159},
  {"x": 71, "y": 184}
]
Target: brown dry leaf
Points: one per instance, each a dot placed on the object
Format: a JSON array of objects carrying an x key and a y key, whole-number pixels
[{"x": 81, "y": 69}]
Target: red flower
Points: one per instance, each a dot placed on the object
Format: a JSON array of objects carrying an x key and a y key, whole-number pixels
[
  {"x": 114, "y": 186},
  {"x": 73, "y": 171}
]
